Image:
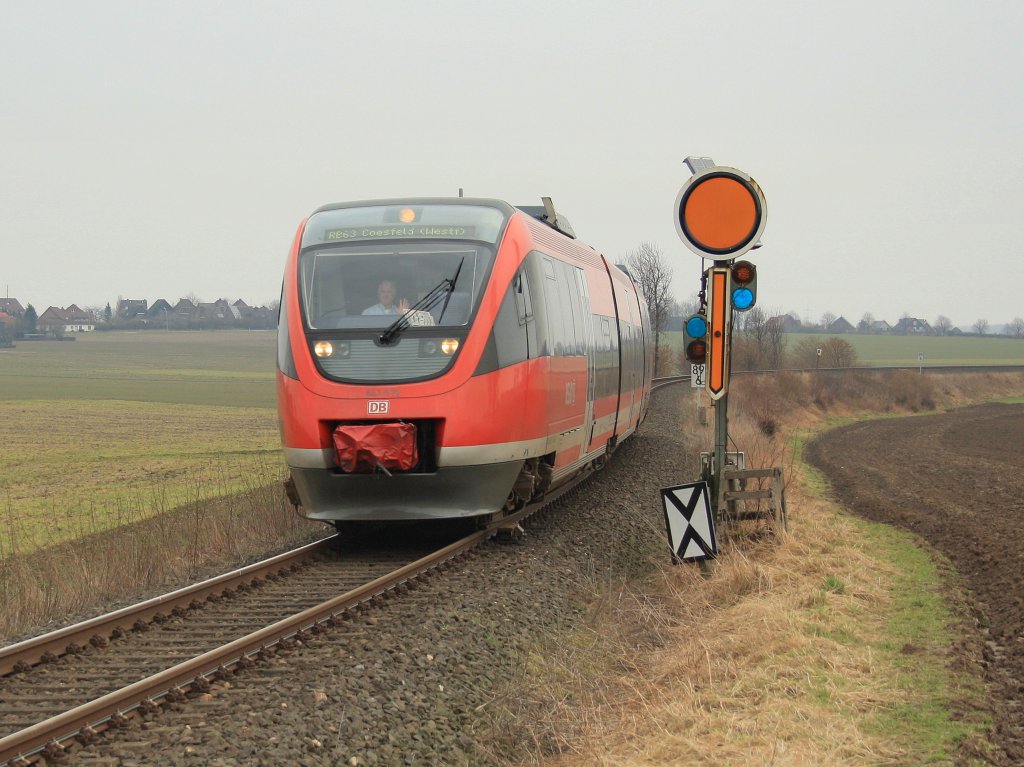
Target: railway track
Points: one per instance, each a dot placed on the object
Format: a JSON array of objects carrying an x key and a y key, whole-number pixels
[{"x": 63, "y": 688}]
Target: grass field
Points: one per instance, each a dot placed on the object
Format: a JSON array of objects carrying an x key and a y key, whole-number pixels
[
  {"x": 880, "y": 351},
  {"x": 937, "y": 350},
  {"x": 114, "y": 427},
  {"x": 229, "y": 368}
]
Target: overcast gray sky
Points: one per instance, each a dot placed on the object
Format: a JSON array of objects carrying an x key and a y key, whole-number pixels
[{"x": 156, "y": 149}]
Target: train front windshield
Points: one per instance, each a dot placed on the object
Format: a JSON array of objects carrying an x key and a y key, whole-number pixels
[{"x": 362, "y": 267}]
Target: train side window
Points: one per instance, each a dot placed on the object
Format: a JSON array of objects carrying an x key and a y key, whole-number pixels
[
  {"x": 524, "y": 304},
  {"x": 535, "y": 288},
  {"x": 584, "y": 319},
  {"x": 553, "y": 301},
  {"x": 569, "y": 305},
  {"x": 508, "y": 342}
]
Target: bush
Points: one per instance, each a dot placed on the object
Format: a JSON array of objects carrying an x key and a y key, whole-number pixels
[
  {"x": 911, "y": 390},
  {"x": 835, "y": 353}
]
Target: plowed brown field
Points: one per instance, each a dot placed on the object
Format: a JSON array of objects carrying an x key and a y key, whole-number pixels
[{"x": 956, "y": 480}]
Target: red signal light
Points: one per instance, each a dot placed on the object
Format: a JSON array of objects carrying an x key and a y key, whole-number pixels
[
  {"x": 697, "y": 352},
  {"x": 743, "y": 273}
]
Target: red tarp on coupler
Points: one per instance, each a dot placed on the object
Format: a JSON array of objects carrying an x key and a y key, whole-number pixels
[{"x": 361, "y": 447}]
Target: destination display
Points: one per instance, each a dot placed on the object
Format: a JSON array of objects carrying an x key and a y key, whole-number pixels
[{"x": 399, "y": 231}]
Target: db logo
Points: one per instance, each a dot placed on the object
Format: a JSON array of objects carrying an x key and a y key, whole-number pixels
[{"x": 377, "y": 406}]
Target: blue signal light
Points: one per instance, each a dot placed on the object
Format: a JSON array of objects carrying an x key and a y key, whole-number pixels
[
  {"x": 743, "y": 298},
  {"x": 696, "y": 327}
]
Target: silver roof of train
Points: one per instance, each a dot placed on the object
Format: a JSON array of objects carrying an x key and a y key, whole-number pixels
[{"x": 545, "y": 212}]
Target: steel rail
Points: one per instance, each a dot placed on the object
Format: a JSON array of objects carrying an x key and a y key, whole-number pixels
[
  {"x": 24, "y": 745},
  {"x": 21, "y": 656}
]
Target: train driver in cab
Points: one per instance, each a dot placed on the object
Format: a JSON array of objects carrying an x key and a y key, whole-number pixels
[{"x": 386, "y": 293}]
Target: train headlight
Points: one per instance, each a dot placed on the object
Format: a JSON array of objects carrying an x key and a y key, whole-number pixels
[
  {"x": 449, "y": 346},
  {"x": 323, "y": 349}
]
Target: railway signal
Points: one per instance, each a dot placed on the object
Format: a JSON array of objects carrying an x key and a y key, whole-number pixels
[
  {"x": 744, "y": 286},
  {"x": 695, "y": 339},
  {"x": 720, "y": 214}
]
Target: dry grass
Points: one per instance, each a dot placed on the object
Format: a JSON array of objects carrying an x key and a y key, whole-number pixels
[
  {"x": 789, "y": 652},
  {"x": 152, "y": 546}
]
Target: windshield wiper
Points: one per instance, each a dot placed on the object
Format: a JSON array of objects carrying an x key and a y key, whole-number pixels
[{"x": 443, "y": 289}]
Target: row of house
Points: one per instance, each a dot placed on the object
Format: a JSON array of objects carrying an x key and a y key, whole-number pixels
[
  {"x": 185, "y": 313},
  {"x": 56, "y": 320},
  {"x": 907, "y": 326}
]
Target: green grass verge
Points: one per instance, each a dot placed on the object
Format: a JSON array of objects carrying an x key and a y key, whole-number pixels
[{"x": 918, "y": 632}]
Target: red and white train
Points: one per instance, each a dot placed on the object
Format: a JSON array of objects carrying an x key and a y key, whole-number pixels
[{"x": 451, "y": 357}]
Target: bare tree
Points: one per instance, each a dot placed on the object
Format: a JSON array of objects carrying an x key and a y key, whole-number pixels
[
  {"x": 690, "y": 305},
  {"x": 827, "y": 319},
  {"x": 943, "y": 325},
  {"x": 866, "y": 322},
  {"x": 838, "y": 353},
  {"x": 1015, "y": 327},
  {"x": 766, "y": 341},
  {"x": 980, "y": 327},
  {"x": 647, "y": 266}
]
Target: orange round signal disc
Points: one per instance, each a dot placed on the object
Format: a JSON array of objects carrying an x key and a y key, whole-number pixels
[{"x": 720, "y": 212}]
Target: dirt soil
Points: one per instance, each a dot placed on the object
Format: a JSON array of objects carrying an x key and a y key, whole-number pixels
[{"x": 956, "y": 480}]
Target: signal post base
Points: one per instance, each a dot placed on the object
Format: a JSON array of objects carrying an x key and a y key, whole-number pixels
[{"x": 733, "y": 491}]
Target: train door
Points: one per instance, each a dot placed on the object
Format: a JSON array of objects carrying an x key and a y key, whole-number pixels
[
  {"x": 627, "y": 354},
  {"x": 585, "y": 337}
]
